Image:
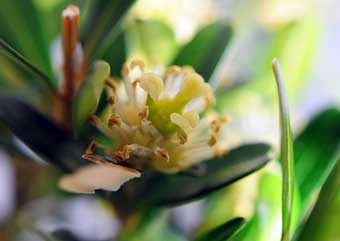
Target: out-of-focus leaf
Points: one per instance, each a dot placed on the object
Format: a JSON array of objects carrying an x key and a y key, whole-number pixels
[
  {"x": 116, "y": 55},
  {"x": 223, "y": 232},
  {"x": 151, "y": 226},
  {"x": 87, "y": 99},
  {"x": 20, "y": 25},
  {"x": 315, "y": 149},
  {"x": 151, "y": 41},
  {"x": 39, "y": 133},
  {"x": 102, "y": 24},
  {"x": 323, "y": 223},
  {"x": 176, "y": 189},
  {"x": 286, "y": 155},
  {"x": 44, "y": 82},
  {"x": 206, "y": 49},
  {"x": 264, "y": 225}
]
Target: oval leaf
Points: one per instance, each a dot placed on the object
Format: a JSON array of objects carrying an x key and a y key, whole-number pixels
[
  {"x": 206, "y": 49},
  {"x": 87, "y": 99}
]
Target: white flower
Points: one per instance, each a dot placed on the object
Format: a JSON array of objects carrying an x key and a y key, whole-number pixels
[{"x": 154, "y": 123}]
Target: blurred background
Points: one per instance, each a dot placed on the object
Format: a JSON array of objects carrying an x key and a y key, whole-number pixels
[{"x": 305, "y": 37}]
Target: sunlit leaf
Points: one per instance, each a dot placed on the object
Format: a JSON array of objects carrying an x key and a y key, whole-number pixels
[
  {"x": 87, "y": 99},
  {"x": 206, "y": 49},
  {"x": 223, "y": 232},
  {"x": 286, "y": 155},
  {"x": 102, "y": 24},
  {"x": 323, "y": 223},
  {"x": 314, "y": 151}
]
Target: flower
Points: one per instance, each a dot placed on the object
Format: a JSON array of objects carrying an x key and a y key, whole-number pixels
[{"x": 154, "y": 123}]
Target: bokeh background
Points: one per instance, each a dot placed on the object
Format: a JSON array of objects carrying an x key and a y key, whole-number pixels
[{"x": 304, "y": 35}]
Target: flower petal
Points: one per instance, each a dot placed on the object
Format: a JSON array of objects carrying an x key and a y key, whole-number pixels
[{"x": 92, "y": 177}]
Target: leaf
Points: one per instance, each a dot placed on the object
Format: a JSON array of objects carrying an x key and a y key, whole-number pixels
[
  {"x": 206, "y": 49},
  {"x": 102, "y": 24},
  {"x": 20, "y": 25},
  {"x": 314, "y": 154},
  {"x": 151, "y": 40},
  {"x": 223, "y": 232},
  {"x": 87, "y": 99},
  {"x": 323, "y": 223},
  {"x": 39, "y": 133},
  {"x": 9, "y": 52},
  {"x": 168, "y": 190},
  {"x": 287, "y": 156}
]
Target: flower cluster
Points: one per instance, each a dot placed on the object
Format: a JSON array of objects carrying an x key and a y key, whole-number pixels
[{"x": 154, "y": 122}]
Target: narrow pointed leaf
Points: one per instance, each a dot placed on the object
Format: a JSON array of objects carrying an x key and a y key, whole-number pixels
[
  {"x": 206, "y": 49},
  {"x": 39, "y": 133},
  {"x": 20, "y": 25},
  {"x": 102, "y": 24},
  {"x": 9, "y": 52},
  {"x": 223, "y": 232},
  {"x": 287, "y": 156},
  {"x": 87, "y": 99}
]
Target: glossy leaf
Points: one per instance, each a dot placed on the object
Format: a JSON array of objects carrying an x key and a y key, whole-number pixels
[
  {"x": 315, "y": 149},
  {"x": 223, "y": 232},
  {"x": 153, "y": 41},
  {"x": 168, "y": 190},
  {"x": 323, "y": 223},
  {"x": 39, "y": 133},
  {"x": 87, "y": 99},
  {"x": 20, "y": 25},
  {"x": 286, "y": 155},
  {"x": 206, "y": 49},
  {"x": 102, "y": 24}
]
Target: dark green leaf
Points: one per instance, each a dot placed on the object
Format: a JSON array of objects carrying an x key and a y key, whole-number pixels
[
  {"x": 175, "y": 189},
  {"x": 286, "y": 155},
  {"x": 206, "y": 49},
  {"x": 223, "y": 232},
  {"x": 151, "y": 41},
  {"x": 20, "y": 25},
  {"x": 87, "y": 99},
  {"x": 39, "y": 133},
  {"x": 315, "y": 149},
  {"x": 102, "y": 24}
]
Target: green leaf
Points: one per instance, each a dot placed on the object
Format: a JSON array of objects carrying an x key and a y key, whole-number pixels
[
  {"x": 206, "y": 49},
  {"x": 151, "y": 40},
  {"x": 87, "y": 99},
  {"x": 168, "y": 190},
  {"x": 323, "y": 223},
  {"x": 20, "y": 25},
  {"x": 287, "y": 156},
  {"x": 102, "y": 24},
  {"x": 9, "y": 52},
  {"x": 314, "y": 155},
  {"x": 39, "y": 133},
  {"x": 223, "y": 232},
  {"x": 266, "y": 214}
]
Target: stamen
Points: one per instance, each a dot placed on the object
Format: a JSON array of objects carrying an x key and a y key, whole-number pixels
[
  {"x": 111, "y": 99},
  {"x": 162, "y": 153},
  {"x": 144, "y": 114},
  {"x": 182, "y": 137},
  {"x": 137, "y": 62},
  {"x": 115, "y": 120},
  {"x": 91, "y": 148},
  {"x": 112, "y": 84}
]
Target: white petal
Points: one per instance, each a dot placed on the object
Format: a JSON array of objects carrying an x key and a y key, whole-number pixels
[{"x": 91, "y": 177}]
